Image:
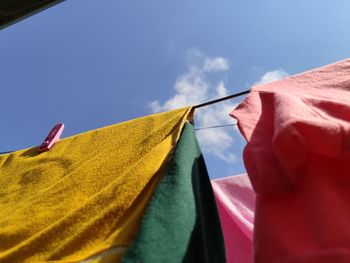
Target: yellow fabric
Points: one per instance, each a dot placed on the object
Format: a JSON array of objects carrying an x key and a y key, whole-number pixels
[{"x": 87, "y": 194}]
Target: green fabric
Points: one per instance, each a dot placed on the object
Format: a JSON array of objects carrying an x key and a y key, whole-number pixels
[{"x": 181, "y": 223}]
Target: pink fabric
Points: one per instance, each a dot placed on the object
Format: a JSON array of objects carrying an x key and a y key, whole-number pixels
[
  {"x": 235, "y": 199},
  {"x": 298, "y": 159}
]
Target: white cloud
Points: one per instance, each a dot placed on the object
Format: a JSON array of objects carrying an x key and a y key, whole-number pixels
[
  {"x": 216, "y": 141},
  {"x": 271, "y": 76},
  {"x": 190, "y": 88},
  {"x": 216, "y": 64},
  {"x": 195, "y": 86}
]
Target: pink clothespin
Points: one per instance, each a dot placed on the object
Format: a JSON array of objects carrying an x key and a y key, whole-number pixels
[{"x": 52, "y": 138}]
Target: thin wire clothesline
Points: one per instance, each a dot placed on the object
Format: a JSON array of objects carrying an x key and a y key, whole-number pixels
[
  {"x": 217, "y": 101},
  {"x": 221, "y": 99},
  {"x": 216, "y": 126},
  {"x": 203, "y": 105}
]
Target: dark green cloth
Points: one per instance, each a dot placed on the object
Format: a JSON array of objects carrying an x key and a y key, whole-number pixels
[{"x": 181, "y": 223}]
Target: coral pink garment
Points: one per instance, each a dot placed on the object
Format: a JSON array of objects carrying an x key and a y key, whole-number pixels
[
  {"x": 298, "y": 159},
  {"x": 235, "y": 199}
]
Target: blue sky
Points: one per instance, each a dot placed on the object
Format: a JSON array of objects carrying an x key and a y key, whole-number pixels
[{"x": 90, "y": 63}]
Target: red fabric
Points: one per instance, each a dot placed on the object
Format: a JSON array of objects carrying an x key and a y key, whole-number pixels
[{"x": 298, "y": 159}]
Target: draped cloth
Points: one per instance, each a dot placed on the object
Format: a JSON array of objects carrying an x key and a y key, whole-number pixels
[
  {"x": 297, "y": 157},
  {"x": 181, "y": 223},
  {"x": 84, "y": 198},
  {"x": 235, "y": 199}
]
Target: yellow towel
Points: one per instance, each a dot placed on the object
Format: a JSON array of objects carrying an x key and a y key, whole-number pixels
[{"x": 83, "y": 199}]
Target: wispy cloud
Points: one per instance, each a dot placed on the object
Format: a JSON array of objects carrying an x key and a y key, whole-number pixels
[
  {"x": 216, "y": 64},
  {"x": 196, "y": 86},
  {"x": 272, "y": 75},
  {"x": 205, "y": 80}
]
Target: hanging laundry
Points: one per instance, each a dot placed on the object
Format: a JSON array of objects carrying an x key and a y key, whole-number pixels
[
  {"x": 297, "y": 158},
  {"x": 181, "y": 223},
  {"x": 235, "y": 199},
  {"x": 83, "y": 200}
]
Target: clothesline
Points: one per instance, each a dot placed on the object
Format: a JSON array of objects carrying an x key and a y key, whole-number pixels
[
  {"x": 203, "y": 105},
  {"x": 216, "y": 126},
  {"x": 221, "y": 99}
]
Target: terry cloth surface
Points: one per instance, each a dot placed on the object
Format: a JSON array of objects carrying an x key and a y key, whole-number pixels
[
  {"x": 181, "y": 223},
  {"x": 235, "y": 199},
  {"x": 297, "y": 157},
  {"x": 83, "y": 199}
]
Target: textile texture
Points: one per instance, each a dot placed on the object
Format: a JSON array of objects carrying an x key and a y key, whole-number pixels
[
  {"x": 297, "y": 157},
  {"x": 84, "y": 198},
  {"x": 235, "y": 199},
  {"x": 181, "y": 223}
]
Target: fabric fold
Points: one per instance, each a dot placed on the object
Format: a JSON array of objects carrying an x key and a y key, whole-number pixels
[
  {"x": 235, "y": 199},
  {"x": 87, "y": 194},
  {"x": 181, "y": 223},
  {"x": 297, "y": 156}
]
